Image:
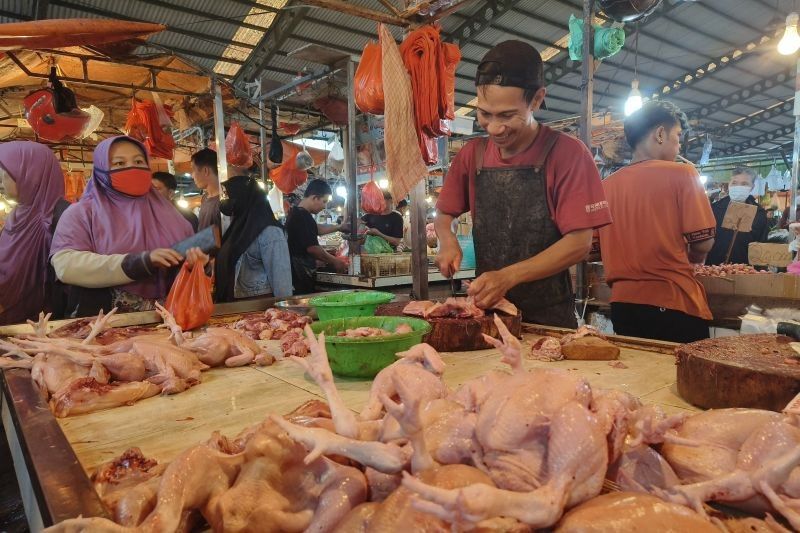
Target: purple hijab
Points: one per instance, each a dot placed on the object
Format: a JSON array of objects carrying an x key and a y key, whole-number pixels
[
  {"x": 25, "y": 240},
  {"x": 105, "y": 221}
]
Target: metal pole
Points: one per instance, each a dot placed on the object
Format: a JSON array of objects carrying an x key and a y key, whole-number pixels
[
  {"x": 419, "y": 245},
  {"x": 263, "y": 138},
  {"x": 796, "y": 151},
  {"x": 587, "y": 92},
  {"x": 351, "y": 170},
  {"x": 219, "y": 133}
]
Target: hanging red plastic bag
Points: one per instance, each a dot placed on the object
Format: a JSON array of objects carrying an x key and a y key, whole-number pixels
[
  {"x": 334, "y": 109},
  {"x": 288, "y": 177},
  {"x": 189, "y": 299},
  {"x": 449, "y": 56},
  {"x": 144, "y": 124},
  {"x": 237, "y": 147},
  {"x": 372, "y": 199},
  {"x": 368, "y": 80}
]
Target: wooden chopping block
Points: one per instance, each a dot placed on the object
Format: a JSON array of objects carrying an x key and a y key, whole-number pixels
[
  {"x": 590, "y": 349},
  {"x": 756, "y": 371},
  {"x": 458, "y": 334}
]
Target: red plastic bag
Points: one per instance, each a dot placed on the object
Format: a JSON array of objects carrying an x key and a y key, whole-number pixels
[
  {"x": 189, "y": 299},
  {"x": 372, "y": 199},
  {"x": 237, "y": 147},
  {"x": 368, "y": 80},
  {"x": 334, "y": 109},
  {"x": 288, "y": 177},
  {"x": 144, "y": 124}
]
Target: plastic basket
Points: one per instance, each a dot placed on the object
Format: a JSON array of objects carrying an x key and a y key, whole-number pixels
[
  {"x": 383, "y": 265},
  {"x": 349, "y": 304},
  {"x": 363, "y": 357}
]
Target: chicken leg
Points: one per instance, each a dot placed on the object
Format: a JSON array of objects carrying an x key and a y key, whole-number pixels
[
  {"x": 99, "y": 325},
  {"x": 317, "y": 366},
  {"x": 176, "y": 333},
  {"x": 509, "y": 346},
  {"x": 40, "y": 327},
  {"x": 408, "y": 415}
]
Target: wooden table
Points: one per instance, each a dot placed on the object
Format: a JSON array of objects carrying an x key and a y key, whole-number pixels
[{"x": 54, "y": 457}]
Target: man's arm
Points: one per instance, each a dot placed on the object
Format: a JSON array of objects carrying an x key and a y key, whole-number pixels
[
  {"x": 699, "y": 250},
  {"x": 449, "y": 257},
  {"x": 567, "y": 251},
  {"x": 394, "y": 241},
  {"x": 325, "y": 229},
  {"x": 319, "y": 253}
]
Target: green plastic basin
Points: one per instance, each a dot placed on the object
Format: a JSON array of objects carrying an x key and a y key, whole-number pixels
[
  {"x": 364, "y": 357},
  {"x": 349, "y": 304}
]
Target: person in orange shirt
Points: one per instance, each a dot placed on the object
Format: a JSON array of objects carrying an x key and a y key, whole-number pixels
[{"x": 662, "y": 224}]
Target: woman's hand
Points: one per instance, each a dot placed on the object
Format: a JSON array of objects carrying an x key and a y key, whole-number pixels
[
  {"x": 196, "y": 256},
  {"x": 165, "y": 257}
]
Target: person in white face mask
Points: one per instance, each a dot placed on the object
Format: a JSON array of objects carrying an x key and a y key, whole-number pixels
[{"x": 739, "y": 190}]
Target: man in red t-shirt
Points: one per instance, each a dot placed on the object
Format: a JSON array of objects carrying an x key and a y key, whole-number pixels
[{"x": 534, "y": 193}]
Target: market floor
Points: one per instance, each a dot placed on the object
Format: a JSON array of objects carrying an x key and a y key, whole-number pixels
[{"x": 12, "y": 514}]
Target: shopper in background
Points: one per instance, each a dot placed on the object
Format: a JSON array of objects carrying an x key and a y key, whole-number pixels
[
  {"x": 784, "y": 223},
  {"x": 31, "y": 176},
  {"x": 112, "y": 248},
  {"x": 303, "y": 233},
  {"x": 388, "y": 225},
  {"x": 254, "y": 257},
  {"x": 534, "y": 193},
  {"x": 166, "y": 185},
  {"x": 662, "y": 224},
  {"x": 739, "y": 190},
  {"x": 204, "y": 174}
]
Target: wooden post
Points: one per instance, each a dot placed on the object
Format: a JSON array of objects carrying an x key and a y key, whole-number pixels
[
  {"x": 351, "y": 171},
  {"x": 796, "y": 151},
  {"x": 419, "y": 246},
  {"x": 587, "y": 91}
]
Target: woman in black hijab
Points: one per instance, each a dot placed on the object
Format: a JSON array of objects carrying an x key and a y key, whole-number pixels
[{"x": 254, "y": 257}]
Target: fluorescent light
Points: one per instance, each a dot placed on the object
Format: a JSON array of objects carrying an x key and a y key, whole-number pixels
[
  {"x": 187, "y": 175},
  {"x": 634, "y": 101},
  {"x": 3, "y": 205},
  {"x": 261, "y": 184},
  {"x": 383, "y": 183},
  {"x": 11, "y": 202},
  {"x": 341, "y": 191},
  {"x": 429, "y": 200},
  {"x": 790, "y": 42},
  {"x": 703, "y": 179}
]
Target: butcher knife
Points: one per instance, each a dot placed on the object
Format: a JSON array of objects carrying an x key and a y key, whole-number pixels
[
  {"x": 790, "y": 329},
  {"x": 453, "y": 290},
  {"x": 207, "y": 240}
]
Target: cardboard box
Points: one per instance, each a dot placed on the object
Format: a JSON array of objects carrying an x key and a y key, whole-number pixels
[
  {"x": 769, "y": 254},
  {"x": 785, "y": 286}
]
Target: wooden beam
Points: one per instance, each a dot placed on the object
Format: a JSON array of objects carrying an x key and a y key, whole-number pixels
[
  {"x": 390, "y": 6},
  {"x": 358, "y": 11}
]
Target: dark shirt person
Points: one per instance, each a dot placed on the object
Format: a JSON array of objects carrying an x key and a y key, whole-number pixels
[
  {"x": 303, "y": 232},
  {"x": 204, "y": 174},
  {"x": 166, "y": 185},
  {"x": 388, "y": 225},
  {"x": 739, "y": 189}
]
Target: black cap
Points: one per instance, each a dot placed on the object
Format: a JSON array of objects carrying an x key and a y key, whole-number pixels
[{"x": 511, "y": 64}]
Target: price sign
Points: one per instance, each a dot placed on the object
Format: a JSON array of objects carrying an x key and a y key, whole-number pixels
[
  {"x": 768, "y": 254},
  {"x": 739, "y": 217}
]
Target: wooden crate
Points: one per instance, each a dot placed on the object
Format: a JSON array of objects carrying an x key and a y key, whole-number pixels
[{"x": 384, "y": 265}]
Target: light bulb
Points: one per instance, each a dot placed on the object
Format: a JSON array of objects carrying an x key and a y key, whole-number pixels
[
  {"x": 429, "y": 200},
  {"x": 634, "y": 101},
  {"x": 182, "y": 203},
  {"x": 383, "y": 183},
  {"x": 339, "y": 209},
  {"x": 703, "y": 179},
  {"x": 790, "y": 42},
  {"x": 261, "y": 184},
  {"x": 341, "y": 191},
  {"x": 3, "y": 206}
]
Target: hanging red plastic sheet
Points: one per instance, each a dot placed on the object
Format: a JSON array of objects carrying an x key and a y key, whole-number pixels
[
  {"x": 368, "y": 81},
  {"x": 334, "y": 109},
  {"x": 237, "y": 147},
  {"x": 288, "y": 177},
  {"x": 372, "y": 200},
  {"x": 449, "y": 56}
]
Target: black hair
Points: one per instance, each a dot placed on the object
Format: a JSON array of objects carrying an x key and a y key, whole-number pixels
[
  {"x": 167, "y": 179},
  {"x": 205, "y": 158},
  {"x": 527, "y": 94},
  {"x": 653, "y": 114},
  {"x": 318, "y": 188},
  {"x": 402, "y": 203}
]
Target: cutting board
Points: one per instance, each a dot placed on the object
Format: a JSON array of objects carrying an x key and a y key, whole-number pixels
[
  {"x": 756, "y": 371},
  {"x": 458, "y": 334}
]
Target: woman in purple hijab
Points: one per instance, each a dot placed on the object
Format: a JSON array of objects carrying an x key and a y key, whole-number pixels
[
  {"x": 32, "y": 177},
  {"x": 113, "y": 246}
]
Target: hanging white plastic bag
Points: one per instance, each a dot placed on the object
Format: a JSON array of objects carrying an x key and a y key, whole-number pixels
[
  {"x": 774, "y": 179},
  {"x": 163, "y": 117},
  {"x": 275, "y": 199},
  {"x": 95, "y": 118},
  {"x": 336, "y": 158}
]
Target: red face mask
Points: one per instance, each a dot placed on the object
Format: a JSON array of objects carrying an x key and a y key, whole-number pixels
[{"x": 133, "y": 181}]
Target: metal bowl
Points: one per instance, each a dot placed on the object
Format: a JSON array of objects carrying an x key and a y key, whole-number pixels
[{"x": 297, "y": 305}]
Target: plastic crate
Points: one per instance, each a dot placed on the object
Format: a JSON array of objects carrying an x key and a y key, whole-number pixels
[{"x": 383, "y": 265}]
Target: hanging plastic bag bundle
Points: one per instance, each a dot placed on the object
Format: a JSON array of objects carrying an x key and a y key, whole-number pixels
[
  {"x": 368, "y": 81},
  {"x": 189, "y": 299},
  {"x": 275, "y": 145},
  {"x": 143, "y": 123},
  {"x": 237, "y": 147},
  {"x": 288, "y": 177},
  {"x": 372, "y": 198}
]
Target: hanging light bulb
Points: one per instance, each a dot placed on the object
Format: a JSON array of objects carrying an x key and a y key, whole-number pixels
[
  {"x": 790, "y": 42},
  {"x": 3, "y": 205},
  {"x": 261, "y": 184},
  {"x": 634, "y": 101},
  {"x": 341, "y": 191},
  {"x": 182, "y": 203},
  {"x": 383, "y": 183}
]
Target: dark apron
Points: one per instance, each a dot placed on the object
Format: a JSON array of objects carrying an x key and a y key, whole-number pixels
[
  {"x": 512, "y": 223},
  {"x": 304, "y": 274}
]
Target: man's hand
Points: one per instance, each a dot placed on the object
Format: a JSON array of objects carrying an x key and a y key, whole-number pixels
[
  {"x": 165, "y": 257},
  {"x": 374, "y": 231},
  {"x": 449, "y": 257},
  {"x": 489, "y": 287},
  {"x": 340, "y": 266}
]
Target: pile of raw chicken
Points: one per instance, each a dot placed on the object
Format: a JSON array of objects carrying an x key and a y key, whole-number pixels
[
  {"x": 723, "y": 271},
  {"x": 455, "y": 307},
  {"x": 511, "y": 450},
  {"x": 88, "y": 366}
]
